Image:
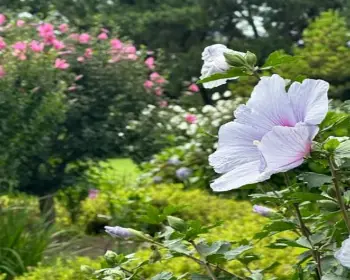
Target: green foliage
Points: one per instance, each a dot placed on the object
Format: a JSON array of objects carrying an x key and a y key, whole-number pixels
[
  {"x": 62, "y": 269},
  {"x": 23, "y": 240}
]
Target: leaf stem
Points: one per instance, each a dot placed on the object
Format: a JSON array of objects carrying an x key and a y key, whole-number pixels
[{"x": 335, "y": 178}]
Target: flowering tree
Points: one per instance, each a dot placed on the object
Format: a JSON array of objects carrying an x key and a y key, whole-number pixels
[
  {"x": 66, "y": 98},
  {"x": 284, "y": 126}
]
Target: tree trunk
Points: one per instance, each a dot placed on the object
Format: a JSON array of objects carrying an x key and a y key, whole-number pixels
[{"x": 47, "y": 208}]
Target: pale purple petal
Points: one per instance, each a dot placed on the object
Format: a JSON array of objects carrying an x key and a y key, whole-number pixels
[
  {"x": 309, "y": 100},
  {"x": 244, "y": 174},
  {"x": 236, "y": 147},
  {"x": 268, "y": 106},
  {"x": 215, "y": 62},
  {"x": 284, "y": 148},
  {"x": 343, "y": 254}
]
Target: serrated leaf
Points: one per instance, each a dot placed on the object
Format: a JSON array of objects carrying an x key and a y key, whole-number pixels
[
  {"x": 233, "y": 254},
  {"x": 315, "y": 180},
  {"x": 219, "y": 247},
  {"x": 277, "y": 58},
  {"x": 307, "y": 196},
  {"x": 164, "y": 276},
  {"x": 177, "y": 246}
]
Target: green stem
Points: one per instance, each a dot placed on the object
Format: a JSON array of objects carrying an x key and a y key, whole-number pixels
[
  {"x": 200, "y": 262},
  {"x": 204, "y": 262},
  {"x": 306, "y": 232},
  {"x": 336, "y": 183}
]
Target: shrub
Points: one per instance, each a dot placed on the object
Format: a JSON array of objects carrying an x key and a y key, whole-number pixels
[{"x": 62, "y": 270}]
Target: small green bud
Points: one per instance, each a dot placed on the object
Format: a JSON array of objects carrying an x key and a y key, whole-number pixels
[
  {"x": 177, "y": 223},
  {"x": 86, "y": 269},
  {"x": 111, "y": 257},
  {"x": 251, "y": 58},
  {"x": 235, "y": 59}
]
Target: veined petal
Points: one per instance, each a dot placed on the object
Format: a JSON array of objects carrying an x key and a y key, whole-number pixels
[
  {"x": 236, "y": 147},
  {"x": 244, "y": 174},
  {"x": 309, "y": 100},
  {"x": 284, "y": 148},
  {"x": 215, "y": 62},
  {"x": 268, "y": 106}
]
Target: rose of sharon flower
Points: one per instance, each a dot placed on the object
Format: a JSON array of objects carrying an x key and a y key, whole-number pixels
[
  {"x": 148, "y": 84},
  {"x": 263, "y": 211},
  {"x": 46, "y": 30},
  {"x": 193, "y": 88},
  {"x": 61, "y": 64},
  {"x": 64, "y": 27},
  {"x": 215, "y": 62},
  {"x": 20, "y": 46},
  {"x": 190, "y": 118},
  {"x": 36, "y": 46},
  {"x": 150, "y": 62},
  {"x": 116, "y": 44},
  {"x": 119, "y": 232},
  {"x": 272, "y": 133},
  {"x": 2, "y": 19},
  {"x": 58, "y": 45},
  {"x": 343, "y": 254},
  {"x": 84, "y": 38},
  {"x": 102, "y": 36},
  {"x": 2, "y": 43}
]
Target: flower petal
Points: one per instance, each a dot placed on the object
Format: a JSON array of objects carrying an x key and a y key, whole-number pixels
[
  {"x": 284, "y": 148},
  {"x": 309, "y": 100},
  {"x": 268, "y": 106},
  {"x": 236, "y": 147},
  {"x": 343, "y": 254},
  {"x": 244, "y": 174},
  {"x": 215, "y": 62}
]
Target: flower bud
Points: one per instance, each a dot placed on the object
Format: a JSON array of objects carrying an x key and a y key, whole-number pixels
[
  {"x": 263, "y": 211},
  {"x": 86, "y": 269},
  {"x": 251, "y": 58},
  {"x": 123, "y": 233},
  {"x": 235, "y": 59},
  {"x": 111, "y": 257}
]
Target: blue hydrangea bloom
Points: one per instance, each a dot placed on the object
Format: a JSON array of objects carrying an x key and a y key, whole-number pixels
[{"x": 183, "y": 173}]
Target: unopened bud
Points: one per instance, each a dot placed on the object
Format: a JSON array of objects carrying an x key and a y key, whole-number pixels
[
  {"x": 86, "y": 269},
  {"x": 123, "y": 233},
  {"x": 111, "y": 257},
  {"x": 235, "y": 59},
  {"x": 251, "y": 58},
  {"x": 263, "y": 211}
]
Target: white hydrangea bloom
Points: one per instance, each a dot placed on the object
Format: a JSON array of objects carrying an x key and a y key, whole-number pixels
[
  {"x": 343, "y": 254},
  {"x": 215, "y": 96},
  {"x": 227, "y": 93},
  {"x": 215, "y": 62}
]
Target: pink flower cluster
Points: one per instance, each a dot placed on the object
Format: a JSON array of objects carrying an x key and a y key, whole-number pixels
[{"x": 155, "y": 83}]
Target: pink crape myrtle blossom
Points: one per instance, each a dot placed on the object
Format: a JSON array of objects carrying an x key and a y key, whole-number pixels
[
  {"x": 155, "y": 77},
  {"x": 61, "y": 64},
  {"x": 2, "y": 44},
  {"x": 272, "y": 133},
  {"x": 64, "y": 27},
  {"x": 215, "y": 62},
  {"x": 148, "y": 84},
  {"x": 116, "y": 44},
  {"x": 193, "y": 88},
  {"x": 132, "y": 56},
  {"x": 2, "y": 19},
  {"x": 190, "y": 118},
  {"x": 130, "y": 49},
  {"x": 36, "y": 46},
  {"x": 80, "y": 59},
  {"x": 58, "y": 45},
  {"x": 2, "y": 71},
  {"x": 102, "y": 36},
  {"x": 46, "y": 30},
  {"x": 20, "y": 23},
  {"x": 150, "y": 62},
  {"x": 158, "y": 91},
  {"x": 84, "y": 38},
  {"x": 88, "y": 53},
  {"x": 20, "y": 46}
]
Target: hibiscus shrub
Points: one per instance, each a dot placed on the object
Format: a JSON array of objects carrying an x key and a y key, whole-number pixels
[{"x": 66, "y": 97}]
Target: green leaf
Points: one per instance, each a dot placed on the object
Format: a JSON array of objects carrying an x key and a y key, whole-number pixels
[
  {"x": 331, "y": 145},
  {"x": 219, "y": 247},
  {"x": 342, "y": 152},
  {"x": 283, "y": 243},
  {"x": 331, "y": 276},
  {"x": 277, "y": 58},
  {"x": 233, "y": 254},
  {"x": 177, "y": 223},
  {"x": 233, "y": 72},
  {"x": 307, "y": 196},
  {"x": 256, "y": 275},
  {"x": 164, "y": 276},
  {"x": 315, "y": 180},
  {"x": 177, "y": 246},
  {"x": 248, "y": 258}
]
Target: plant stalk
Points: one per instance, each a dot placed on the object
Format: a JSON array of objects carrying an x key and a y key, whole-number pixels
[
  {"x": 306, "y": 232},
  {"x": 204, "y": 262},
  {"x": 335, "y": 178}
]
